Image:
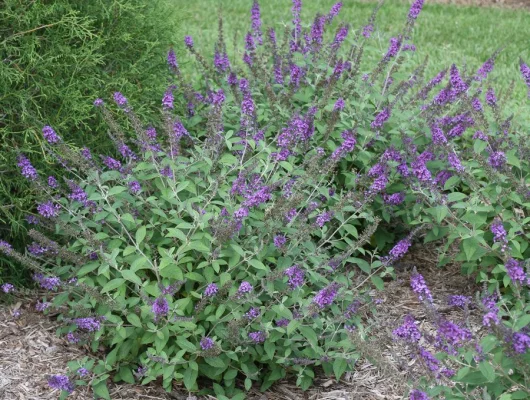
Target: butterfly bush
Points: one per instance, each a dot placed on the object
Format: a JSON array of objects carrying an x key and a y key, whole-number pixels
[{"x": 236, "y": 237}]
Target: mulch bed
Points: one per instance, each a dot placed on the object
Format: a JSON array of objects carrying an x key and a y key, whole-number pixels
[{"x": 30, "y": 351}]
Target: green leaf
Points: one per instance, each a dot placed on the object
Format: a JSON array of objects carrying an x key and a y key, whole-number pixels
[
  {"x": 85, "y": 269},
  {"x": 455, "y": 196},
  {"x": 258, "y": 265},
  {"x": 100, "y": 390},
  {"x": 521, "y": 322},
  {"x": 470, "y": 247},
  {"x": 378, "y": 282},
  {"x": 131, "y": 276},
  {"x": 140, "y": 234},
  {"x": 487, "y": 370},
  {"x": 185, "y": 344},
  {"x": 116, "y": 189},
  {"x": 134, "y": 320},
  {"x": 248, "y": 384},
  {"x": 190, "y": 378},
  {"x": 310, "y": 335},
  {"x": 230, "y": 374},
  {"x": 339, "y": 367},
  {"x": 113, "y": 284}
]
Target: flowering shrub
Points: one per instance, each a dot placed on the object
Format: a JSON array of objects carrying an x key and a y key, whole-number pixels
[{"x": 245, "y": 236}]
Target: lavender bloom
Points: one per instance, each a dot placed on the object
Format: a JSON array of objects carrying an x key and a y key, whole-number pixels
[
  {"x": 317, "y": 29},
  {"x": 415, "y": 9},
  {"x": 120, "y": 99},
  {"x": 247, "y": 106},
  {"x": 85, "y": 152},
  {"x": 379, "y": 184},
  {"x": 167, "y": 100},
  {"x": 420, "y": 169},
  {"x": 296, "y": 276},
  {"x": 52, "y": 182},
  {"x": 324, "y": 217},
  {"x": 497, "y": 159},
  {"x": 454, "y": 162},
  {"x": 283, "y": 322},
  {"x": 7, "y": 287},
  {"x": 296, "y": 75},
  {"x": 492, "y": 311},
  {"x": 393, "y": 48},
  {"x": 381, "y": 118},
  {"x": 257, "y": 337},
  {"x": 297, "y": 7},
  {"x": 98, "y": 102},
  {"x": 160, "y": 307},
  {"x": 477, "y": 105},
  {"x": 241, "y": 213},
  {"x": 485, "y": 69},
  {"x": 432, "y": 363},
  {"x": 438, "y": 136},
  {"x": 179, "y": 130},
  {"x": 491, "y": 99},
  {"x": 49, "y": 283},
  {"x": 339, "y": 105},
  {"x": 499, "y": 233},
  {"x": 335, "y": 9},
  {"x": 26, "y": 169},
  {"x": 408, "y": 332},
  {"x": 394, "y": 199},
  {"x": 525, "y": 72},
  {"x": 48, "y": 209},
  {"x": 347, "y": 145},
  {"x": 419, "y": 286},
  {"x": 409, "y": 47},
  {"x": 279, "y": 241},
  {"x": 61, "y": 382},
  {"x": 520, "y": 342},
  {"x": 36, "y": 249},
  {"x": 326, "y": 296},
  {"x": 221, "y": 62},
  {"x": 41, "y": 306},
  {"x": 32, "y": 220},
  {"x": 255, "y": 18},
  {"x": 244, "y": 287},
  {"x": 89, "y": 324},
  {"x": 479, "y": 135},
  {"x": 400, "y": 249},
  {"x": 207, "y": 343},
  {"x": 459, "y": 301},
  {"x": 450, "y": 336},
  {"x": 253, "y": 313},
  {"x": 418, "y": 395},
  {"x": 50, "y": 135},
  {"x": 188, "y": 41},
  {"x": 457, "y": 84},
  {"x": 82, "y": 372},
  {"x": 72, "y": 337},
  {"x": 515, "y": 271},
  {"x": 77, "y": 193},
  {"x": 172, "y": 59},
  {"x": 367, "y": 30},
  {"x": 211, "y": 290},
  {"x": 134, "y": 187},
  {"x": 111, "y": 163},
  {"x": 289, "y": 215}
]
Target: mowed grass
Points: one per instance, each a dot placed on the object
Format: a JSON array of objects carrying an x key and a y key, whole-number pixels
[{"x": 448, "y": 34}]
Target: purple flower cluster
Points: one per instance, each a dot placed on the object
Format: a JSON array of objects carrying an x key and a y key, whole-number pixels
[
  {"x": 451, "y": 336},
  {"x": 257, "y": 337},
  {"x": 491, "y": 99},
  {"x": 167, "y": 100},
  {"x": 120, "y": 99},
  {"x": 454, "y": 162},
  {"x": 367, "y": 30},
  {"x": 381, "y": 118},
  {"x": 160, "y": 307},
  {"x": 82, "y": 372},
  {"x": 89, "y": 324},
  {"x": 111, "y": 163},
  {"x": 244, "y": 288},
  {"x": 520, "y": 342},
  {"x": 497, "y": 159},
  {"x": 253, "y": 313},
  {"x": 52, "y": 182},
  {"x": 279, "y": 241},
  {"x": 296, "y": 276},
  {"x": 7, "y": 287},
  {"x": 48, "y": 283},
  {"x": 211, "y": 290},
  {"x": 335, "y": 9},
  {"x": 393, "y": 48},
  {"x": 41, "y": 306},
  {"x": 326, "y": 296},
  {"x": 48, "y": 209},
  {"x": 207, "y": 343},
  {"x": 26, "y": 169},
  {"x": 499, "y": 233},
  {"x": 415, "y": 9},
  {"x": 50, "y": 135},
  {"x": 255, "y": 17},
  {"x": 400, "y": 249},
  {"x": 418, "y": 395},
  {"x": 340, "y": 36},
  {"x": 492, "y": 311},
  {"x": 525, "y": 72},
  {"x": 432, "y": 362},
  {"x": 188, "y": 41},
  {"x": 419, "y": 286},
  {"x": 516, "y": 271},
  {"x": 172, "y": 59},
  {"x": 485, "y": 69},
  {"x": 347, "y": 146},
  {"x": 85, "y": 153},
  {"x": 324, "y": 217},
  {"x": 394, "y": 199},
  {"x": 438, "y": 136},
  {"x": 61, "y": 382},
  {"x": 459, "y": 301},
  {"x": 408, "y": 331},
  {"x": 134, "y": 187}
]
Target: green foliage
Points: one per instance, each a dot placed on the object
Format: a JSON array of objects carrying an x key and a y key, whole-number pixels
[{"x": 57, "y": 57}]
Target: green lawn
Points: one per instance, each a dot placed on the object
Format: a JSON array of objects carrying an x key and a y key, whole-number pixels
[{"x": 447, "y": 33}]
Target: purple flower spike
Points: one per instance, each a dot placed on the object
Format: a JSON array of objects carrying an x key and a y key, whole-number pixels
[
  {"x": 380, "y": 119},
  {"x": 339, "y": 105},
  {"x": 211, "y": 290},
  {"x": 52, "y": 182},
  {"x": 415, "y": 9},
  {"x": 255, "y": 17},
  {"x": 48, "y": 209},
  {"x": 50, "y": 135},
  {"x": 26, "y": 169},
  {"x": 160, "y": 307},
  {"x": 326, "y": 296},
  {"x": 408, "y": 332},
  {"x": 61, "y": 382},
  {"x": 7, "y": 287},
  {"x": 418, "y": 395},
  {"x": 335, "y": 9},
  {"x": 520, "y": 342},
  {"x": 134, "y": 187},
  {"x": 296, "y": 276},
  {"x": 367, "y": 30},
  {"x": 188, "y": 41},
  {"x": 207, "y": 343},
  {"x": 257, "y": 337},
  {"x": 525, "y": 72},
  {"x": 279, "y": 241},
  {"x": 98, "y": 102},
  {"x": 172, "y": 59},
  {"x": 244, "y": 288},
  {"x": 419, "y": 286},
  {"x": 120, "y": 99},
  {"x": 89, "y": 324}
]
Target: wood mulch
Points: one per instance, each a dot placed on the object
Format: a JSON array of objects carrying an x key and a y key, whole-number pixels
[{"x": 30, "y": 351}]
